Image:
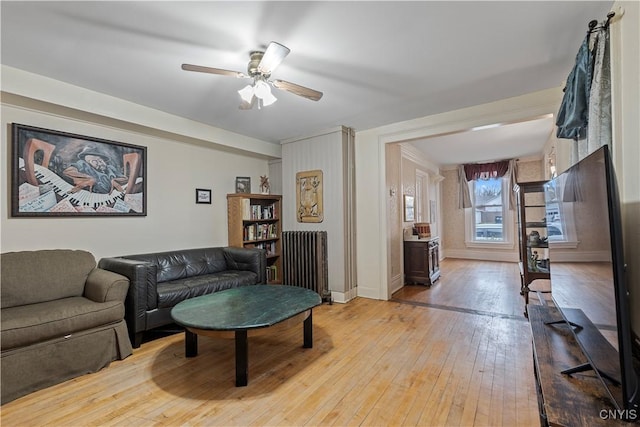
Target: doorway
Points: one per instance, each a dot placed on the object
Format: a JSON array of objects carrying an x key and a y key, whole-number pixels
[{"x": 521, "y": 109}]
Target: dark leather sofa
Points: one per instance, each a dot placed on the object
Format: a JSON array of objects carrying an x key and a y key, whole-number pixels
[{"x": 159, "y": 281}]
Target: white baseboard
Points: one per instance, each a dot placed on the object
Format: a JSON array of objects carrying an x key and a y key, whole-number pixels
[
  {"x": 396, "y": 283},
  {"x": 344, "y": 297},
  {"x": 372, "y": 293},
  {"x": 482, "y": 255},
  {"x": 582, "y": 256}
]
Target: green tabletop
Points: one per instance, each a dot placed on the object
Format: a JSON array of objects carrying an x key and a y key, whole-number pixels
[{"x": 246, "y": 307}]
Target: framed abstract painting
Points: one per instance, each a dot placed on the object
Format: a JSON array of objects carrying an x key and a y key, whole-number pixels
[{"x": 56, "y": 173}]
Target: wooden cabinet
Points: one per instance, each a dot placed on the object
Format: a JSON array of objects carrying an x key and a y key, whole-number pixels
[
  {"x": 254, "y": 221},
  {"x": 422, "y": 261},
  {"x": 532, "y": 234}
]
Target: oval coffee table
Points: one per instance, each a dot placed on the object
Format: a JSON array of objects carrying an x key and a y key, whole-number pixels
[{"x": 243, "y": 312}]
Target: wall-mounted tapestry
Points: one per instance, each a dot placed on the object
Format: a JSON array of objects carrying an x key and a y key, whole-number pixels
[
  {"x": 62, "y": 174},
  {"x": 309, "y": 196}
]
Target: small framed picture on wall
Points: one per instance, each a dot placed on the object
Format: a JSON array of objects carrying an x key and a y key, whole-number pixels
[
  {"x": 203, "y": 195},
  {"x": 409, "y": 212},
  {"x": 243, "y": 184}
]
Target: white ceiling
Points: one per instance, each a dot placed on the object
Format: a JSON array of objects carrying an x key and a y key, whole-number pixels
[
  {"x": 500, "y": 141},
  {"x": 376, "y": 62}
]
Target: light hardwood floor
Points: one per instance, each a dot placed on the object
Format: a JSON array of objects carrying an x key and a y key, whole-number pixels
[{"x": 456, "y": 354}]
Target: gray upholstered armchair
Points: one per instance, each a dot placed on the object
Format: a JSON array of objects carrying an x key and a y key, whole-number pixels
[{"x": 61, "y": 317}]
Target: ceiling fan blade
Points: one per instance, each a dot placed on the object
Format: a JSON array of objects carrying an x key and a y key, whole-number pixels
[
  {"x": 311, "y": 94},
  {"x": 201, "y": 69},
  {"x": 272, "y": 57}
]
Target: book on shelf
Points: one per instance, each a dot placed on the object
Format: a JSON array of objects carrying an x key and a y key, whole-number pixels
[
  {"x": 260, "y": 232},
  {"x": 270, "y": 247},
  {"x": 272, "y": 273},
  {"x": 246, "y": 209},
  {"x": 257, "y": 212}
]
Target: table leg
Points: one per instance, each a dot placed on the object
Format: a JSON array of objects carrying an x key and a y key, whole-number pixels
[
  {"x": 308, "y": 331},
  {"x": 242, "y": 358},
  {"x": 190, "y": 343}
]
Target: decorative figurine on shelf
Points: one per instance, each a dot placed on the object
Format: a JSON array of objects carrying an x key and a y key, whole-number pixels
[
  {"x": 264, "y": 184},
  {"x": 534, "y": 238},
  {"x": 533, "y": 262}
]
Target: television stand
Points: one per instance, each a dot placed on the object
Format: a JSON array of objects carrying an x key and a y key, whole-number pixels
[
  {"x": 588, "y": 367},
  {"x": 566, "y": 400},
  {"x": 563, "y": 322}
]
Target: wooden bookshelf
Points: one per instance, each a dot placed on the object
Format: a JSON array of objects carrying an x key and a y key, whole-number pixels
[{"x": 254, "y": 221}]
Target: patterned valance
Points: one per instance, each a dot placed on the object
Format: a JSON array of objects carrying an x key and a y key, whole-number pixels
[
  {"x": 486, "y": 170},
  {"x": 472, "y": 172}
]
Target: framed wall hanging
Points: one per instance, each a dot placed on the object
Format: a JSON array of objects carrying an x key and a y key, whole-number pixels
[
  {"x": 57, "y": 173},
  {"x": 203, "y": 195},
  {"x": 409, "y": 208},
  {"x": 309, "y": 196},
  {"x": 243, "y": 184}
]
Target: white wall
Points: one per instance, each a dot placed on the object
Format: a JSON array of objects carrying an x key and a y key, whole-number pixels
[
  {"x": 625, "y": 58},
  {"x": 176, "y": 166},
  {"x": 394, "y": 197},
  {"x": 275, "y": 176}
]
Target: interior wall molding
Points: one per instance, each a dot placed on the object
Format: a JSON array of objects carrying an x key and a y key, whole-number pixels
[
  {"x": 344, "y": 129},
  {"x": 410, "y": 152},
  {"x": 511, "y": 110}
]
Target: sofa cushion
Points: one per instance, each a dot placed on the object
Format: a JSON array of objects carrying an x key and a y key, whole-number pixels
[
  {"x": 33, "y": 323},
  {"x": 31, "y": 277},
  {"x": 180, "y": 264},
  {"x": 173, "y": 292}
]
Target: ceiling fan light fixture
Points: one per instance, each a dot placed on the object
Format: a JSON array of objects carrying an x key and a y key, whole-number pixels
[
  {"x": 263, "y": 91},
  {"x": 268, "y": 99},
  {"x": 260, "y": 67},
  {"x": 246, "y": 93}
]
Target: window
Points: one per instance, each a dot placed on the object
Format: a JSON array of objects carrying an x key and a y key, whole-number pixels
[
  {"x": 488, "y": 207},
  {"x": 555, "y": 226},
  {"x": 489, "y": 221},
  {"x": 559, "y": 217}
]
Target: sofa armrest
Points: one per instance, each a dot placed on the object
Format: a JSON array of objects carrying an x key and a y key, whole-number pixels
[
  {"x": 103, "y": 286},
  {"x": 142, "y": 295},
  {"x": 251, "y": 259}
]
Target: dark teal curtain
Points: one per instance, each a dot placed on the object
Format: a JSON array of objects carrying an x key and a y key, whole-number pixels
[{"x": 574, "y": 109}]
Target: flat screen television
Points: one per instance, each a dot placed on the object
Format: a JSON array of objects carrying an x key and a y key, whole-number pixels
[{"x": 587, "y": 273}]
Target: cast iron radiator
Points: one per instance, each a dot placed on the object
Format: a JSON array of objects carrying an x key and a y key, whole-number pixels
[{"x": 305, "y": 261}]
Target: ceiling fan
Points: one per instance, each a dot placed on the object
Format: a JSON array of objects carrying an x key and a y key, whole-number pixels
[{"x": 261, "y": 65}]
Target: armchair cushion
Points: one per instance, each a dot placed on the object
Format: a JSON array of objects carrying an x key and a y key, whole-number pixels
[
  {"x": 46, "y": 275},
  {"x": 33, "y": 323},
  {"x": 171, "y": 293}
]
